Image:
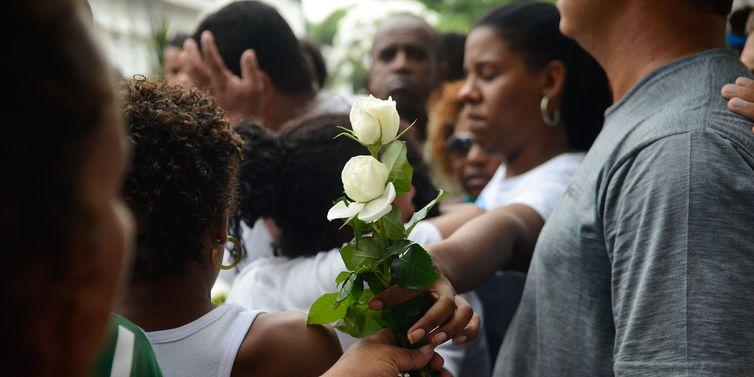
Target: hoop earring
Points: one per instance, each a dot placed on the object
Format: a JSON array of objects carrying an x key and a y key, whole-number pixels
[
  {"x": 555, "y": 121},
  {"x": 237, "y": 252}
]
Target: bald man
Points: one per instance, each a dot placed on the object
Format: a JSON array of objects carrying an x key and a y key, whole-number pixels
[{"x": 406, "y": 66}]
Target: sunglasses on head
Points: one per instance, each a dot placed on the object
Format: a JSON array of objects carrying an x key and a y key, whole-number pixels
[{"x": 460, "y": 144}]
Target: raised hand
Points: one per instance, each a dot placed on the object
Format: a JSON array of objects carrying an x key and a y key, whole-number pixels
[
  {"x": 243, "y": 97},
  {"x": 740, "y": 97}
]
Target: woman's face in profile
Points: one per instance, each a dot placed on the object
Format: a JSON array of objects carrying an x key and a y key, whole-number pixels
[
  {"x": 107, "y": 239},
  {"x": 501, "y": 94}
]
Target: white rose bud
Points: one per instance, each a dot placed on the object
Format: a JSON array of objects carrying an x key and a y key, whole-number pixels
[
  {"x": 371, "y": 117},
  {"x": 364, "y": 178}
]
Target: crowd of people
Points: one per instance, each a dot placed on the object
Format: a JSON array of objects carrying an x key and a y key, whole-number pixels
[{"x": 600, "y": 157}]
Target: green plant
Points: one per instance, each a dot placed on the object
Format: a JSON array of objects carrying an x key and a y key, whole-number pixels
[
  {"x": 158, "y": 40},
  {"x": 380, "y": 254}
]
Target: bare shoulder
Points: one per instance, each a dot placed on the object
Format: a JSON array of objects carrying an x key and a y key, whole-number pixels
[{"x": 282, "y": 344}]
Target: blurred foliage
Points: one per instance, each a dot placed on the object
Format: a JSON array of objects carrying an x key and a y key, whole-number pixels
[
  {"x": 158, "y": 39},
  {"x": 459, "y": 15},
  {"x": 324, "y": 32}
]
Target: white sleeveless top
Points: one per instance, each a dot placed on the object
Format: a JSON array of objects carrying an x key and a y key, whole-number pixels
[{"x": 206, "y": 347}]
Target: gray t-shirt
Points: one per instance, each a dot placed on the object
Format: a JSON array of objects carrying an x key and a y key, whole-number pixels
[{"x": 646, "y": 267}]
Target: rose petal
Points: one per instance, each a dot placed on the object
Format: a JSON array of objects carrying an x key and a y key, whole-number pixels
[
  {"x": 379, "y": 207},
  {"x": 342, "y": 211},
  {"x": 364, "y": 178}
]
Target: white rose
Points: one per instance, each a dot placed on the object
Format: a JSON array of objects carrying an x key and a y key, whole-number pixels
[
  {"x": 365, "y": 182},
  {"x": 364, "y": 178},
  {"x": 372, "y": 117},
  {"x": 367, "y": 212}
]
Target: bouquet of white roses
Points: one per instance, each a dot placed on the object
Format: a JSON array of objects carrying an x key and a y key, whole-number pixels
[{"x": 380, "y": 254}]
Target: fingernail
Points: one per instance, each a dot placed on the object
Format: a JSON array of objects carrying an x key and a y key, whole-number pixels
[
  {"x": 459, "y": 339},
  {"x": 439, "y": 338},
  {"x": 730, "y": 89},
  {"x": 426, "y": 349},
  {"x": 416, "y": 336},
  {"x": 738, "y": 103},
  {"x": 376, "y": 305}
]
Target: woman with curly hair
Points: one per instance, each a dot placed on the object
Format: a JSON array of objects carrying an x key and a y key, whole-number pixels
[
  {"x": 460, "y": 161},
  {"x": 181, "y": 188}
]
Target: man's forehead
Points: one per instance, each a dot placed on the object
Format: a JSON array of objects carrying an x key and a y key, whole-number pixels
[{"x": 404, "y": 30}]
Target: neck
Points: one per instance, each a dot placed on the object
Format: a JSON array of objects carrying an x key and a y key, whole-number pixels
[
  {"x": 646, "y": 37},
  {"x": 537, "y": 151},
  {"x": 168, "y": 303},
  {"x": 281, "y": 108}
]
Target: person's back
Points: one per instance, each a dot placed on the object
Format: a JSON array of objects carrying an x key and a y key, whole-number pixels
[
  {"x": 182, "y": 194},
  {"x": 645, "y": 267},
  {"x": 206, "y": 346}
]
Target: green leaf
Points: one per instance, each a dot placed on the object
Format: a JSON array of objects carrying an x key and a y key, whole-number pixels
[
  {"x": 413, "y": 269},
  {"x": 394, "y": 157},
  {"x": 360, "y": 322},
  {"x": 348, "y": 135},
  {"x": 343, "y": 276},
  {"x": 374, "y": 149},
  {"x": 419, "y": 216},
  {"x": 405, "y": 314},
  {"x": 395, "y": 248},
  {"x": 326, "y": 309},
  {"x": 366, "y": 252},
  {"x": 345, "y": 130},
  {"x": 374, "y": 283},
  {"x": 353, "y": 287},
  {"x": 393, "y": 224},
  {"x": 406, "y": 130}
]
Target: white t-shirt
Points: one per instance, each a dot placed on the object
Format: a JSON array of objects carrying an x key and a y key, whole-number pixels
[
  {"x": 540, "y": 188},
  {"x": 280, "y": 283}
]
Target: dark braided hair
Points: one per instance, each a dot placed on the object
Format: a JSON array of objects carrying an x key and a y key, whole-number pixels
[{"x": 183, "y": 180}]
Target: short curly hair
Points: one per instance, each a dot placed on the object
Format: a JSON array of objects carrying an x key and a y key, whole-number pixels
[
  {"x": 442, "y": 121},
  {"x": 183, "y": 179}
]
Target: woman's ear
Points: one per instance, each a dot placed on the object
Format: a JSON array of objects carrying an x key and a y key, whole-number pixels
[
  {"x": 553, "y": 78},
  {"x": 220, "y": 230}
]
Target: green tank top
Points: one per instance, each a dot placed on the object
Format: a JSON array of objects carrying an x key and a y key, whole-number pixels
[{"x": 126, "y": 352}]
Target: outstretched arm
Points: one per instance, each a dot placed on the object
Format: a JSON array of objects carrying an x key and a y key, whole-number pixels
[
  {"x": 501, "y": 238},
  {"x": 504, "y": 237}
]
